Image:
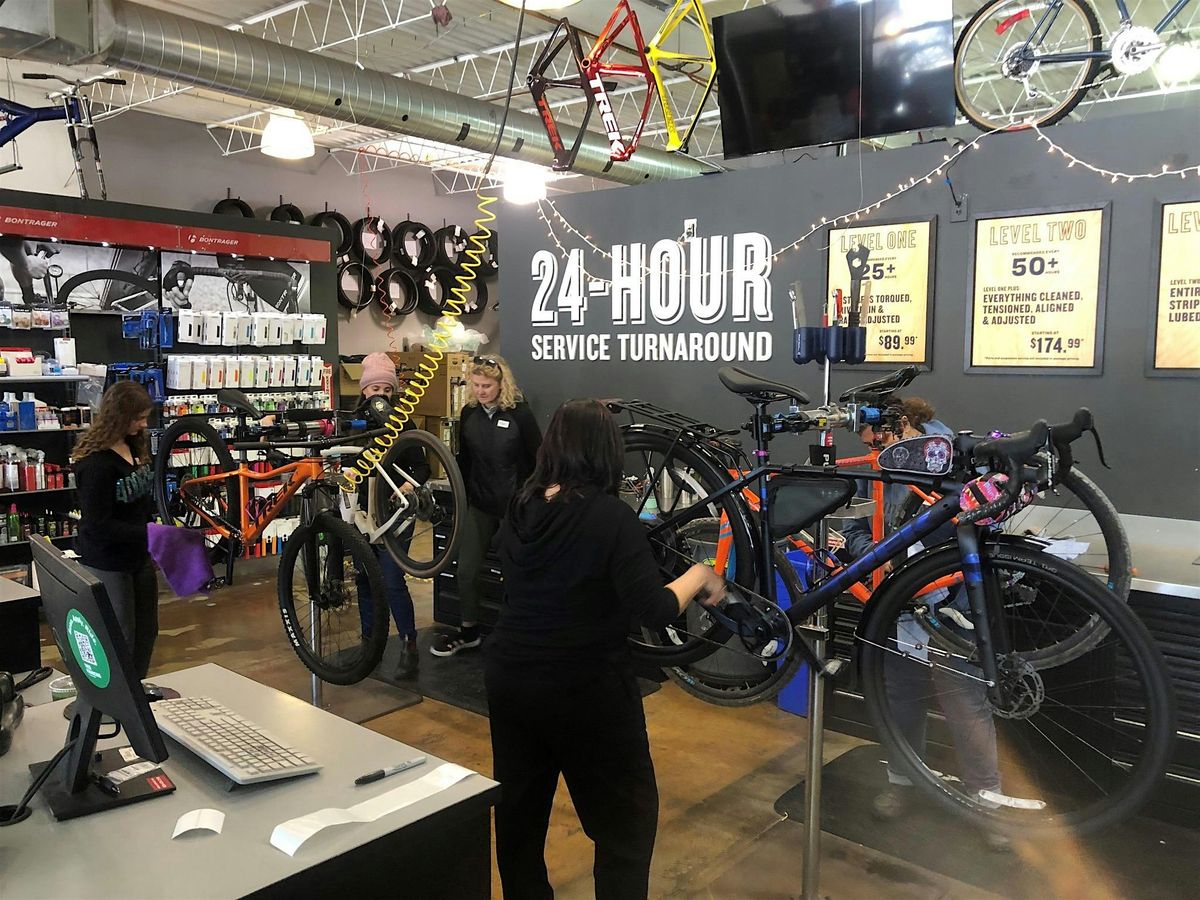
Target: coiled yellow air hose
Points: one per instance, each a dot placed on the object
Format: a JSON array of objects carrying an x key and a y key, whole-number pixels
[{"x": 369, "y": 459}]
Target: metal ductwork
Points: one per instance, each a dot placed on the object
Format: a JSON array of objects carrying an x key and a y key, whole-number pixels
[{"x": 139, "y": 39}]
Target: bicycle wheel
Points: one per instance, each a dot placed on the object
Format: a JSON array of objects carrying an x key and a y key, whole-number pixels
[
  {"x": 1077, "y": 522},
  {"x": 331, "y": 597},
  {"x": 661, "y": 480},
  {"x": 191, "y": 448},
  {"x": 410, "y": 538},
  {"x": 732, "y": 675},
  {"x": 999, "y": 80},
  {"x": 1079, "y": 745}
]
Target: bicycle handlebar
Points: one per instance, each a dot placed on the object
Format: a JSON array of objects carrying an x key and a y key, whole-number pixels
[
  {"x": 73, "y": 82},
  {"x": 1012, "y": 453}
]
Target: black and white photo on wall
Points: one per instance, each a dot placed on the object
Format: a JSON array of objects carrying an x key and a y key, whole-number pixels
[
  {"x": 881, "y": 276},
  {"x": 1038, "y": 285},
  {"x": 43, "y": 273},
  {"x": 229, "y": 283}
]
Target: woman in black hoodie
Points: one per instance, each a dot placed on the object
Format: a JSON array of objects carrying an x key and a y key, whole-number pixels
[{"x": 578, "y": 572}]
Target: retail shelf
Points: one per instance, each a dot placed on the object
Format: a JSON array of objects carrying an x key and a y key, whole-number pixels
[
  {"x": 22, "y": 379},
  {"x": 39, "y": 328},
  {"x": 44, "y": 431},
  {"x": 5, "y": 494},
  {"x": 61, "y": 537}
]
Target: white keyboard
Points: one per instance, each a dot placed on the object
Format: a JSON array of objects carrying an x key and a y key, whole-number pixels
[{"x": 229, "y": 743}]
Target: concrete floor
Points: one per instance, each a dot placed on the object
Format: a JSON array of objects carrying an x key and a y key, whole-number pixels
[{"x": 719, "y": 770}]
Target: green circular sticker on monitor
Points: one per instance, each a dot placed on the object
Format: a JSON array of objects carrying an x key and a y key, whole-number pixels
[{"x": 86, "y": 647}]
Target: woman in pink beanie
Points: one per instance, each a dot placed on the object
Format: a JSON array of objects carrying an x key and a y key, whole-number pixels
[{"x": 379, "y": 380}]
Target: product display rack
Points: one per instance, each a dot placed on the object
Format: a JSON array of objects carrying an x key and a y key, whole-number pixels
[{"x": 60, "y": 501}]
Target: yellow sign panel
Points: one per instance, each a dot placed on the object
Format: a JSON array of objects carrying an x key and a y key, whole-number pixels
[
  {"x": 1177, "y": 337},
  {"x": 1037, "y": 287},
  {"x": 897, "y": 270}
]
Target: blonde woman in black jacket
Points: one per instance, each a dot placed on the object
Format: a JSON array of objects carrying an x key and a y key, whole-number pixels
[{"x": 498, "y": 443}]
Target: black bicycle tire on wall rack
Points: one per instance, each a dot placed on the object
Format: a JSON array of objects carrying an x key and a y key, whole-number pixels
[
  {"x": 428, "y": 303},
  {"x": 287, "y": 212},
  {"x": 233, "y": 206},
  {"x": 335, "y": 221},
  {"x": 369, "y": 286},
  {"x": 150, "y": 286},
  {"x": 379, "y": 227},
  {"x": 409, "y": 286},
  {"x": 489, "y": 265},
  {"x": 454, "y": 237},
  {"x": 477, "y": 292},
  {"x": 423, "y": 235}
]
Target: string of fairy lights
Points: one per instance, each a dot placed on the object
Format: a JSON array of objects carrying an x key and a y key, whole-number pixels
[{"x": 938, "y": 172}]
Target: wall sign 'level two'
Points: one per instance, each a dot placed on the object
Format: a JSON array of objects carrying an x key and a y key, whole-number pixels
[{"x": 1038, "y": 290}]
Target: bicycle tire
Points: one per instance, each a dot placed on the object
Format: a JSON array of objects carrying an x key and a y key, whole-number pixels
[
  {"x": 435, "y": 291},
  {"x": 149, "y": 285},
  {"x": 179, "y": 432},
  {"x": 736, "y": 692},
  {"x": 885, "y": 644},
  {"x": 409, "y": 236},
  {"x": 450, "y": 244},
  {"x": 339, "y": 226},
  {"x": 489, "y": 263},
  {"x": 666, "y": 648},
  {"x": 1058, "y": 112},
  {"x": 428, "y": 509},
  {"x": 346, "y": 665},
  {"x": 398, "y": 292},
  {"x": 1119, "y": 574}
]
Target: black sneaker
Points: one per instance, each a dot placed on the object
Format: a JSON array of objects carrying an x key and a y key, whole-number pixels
[
  {"x": 450, "y": 644},
  {"x": 406, "y": 666}
]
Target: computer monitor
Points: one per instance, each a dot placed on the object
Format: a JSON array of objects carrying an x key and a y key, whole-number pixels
[{"x": 98, "y": 658}]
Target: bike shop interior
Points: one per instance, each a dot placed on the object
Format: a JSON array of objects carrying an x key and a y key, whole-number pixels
[{"x": 895, "y": 305}]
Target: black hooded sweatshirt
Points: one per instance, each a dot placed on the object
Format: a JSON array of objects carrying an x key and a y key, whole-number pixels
[{"x": 578, "y": 573}]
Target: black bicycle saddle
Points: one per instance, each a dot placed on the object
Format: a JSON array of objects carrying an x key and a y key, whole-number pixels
[
  {"x": 756, "y": 389},
  {"x": 237, "y": 400},
  {"x": 881, "y": 388}
]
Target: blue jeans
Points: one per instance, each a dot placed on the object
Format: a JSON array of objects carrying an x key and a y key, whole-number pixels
[{"x": 395, "y": 589}]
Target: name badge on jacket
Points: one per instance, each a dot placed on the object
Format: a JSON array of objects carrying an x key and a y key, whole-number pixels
[{"x": 503, "y": 423}]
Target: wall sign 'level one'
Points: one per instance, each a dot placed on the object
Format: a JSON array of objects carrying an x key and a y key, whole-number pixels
[{"x": 1037, "y": 291}]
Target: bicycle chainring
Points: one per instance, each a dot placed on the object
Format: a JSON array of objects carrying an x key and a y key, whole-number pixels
[{"x": 1135, "y": 48}]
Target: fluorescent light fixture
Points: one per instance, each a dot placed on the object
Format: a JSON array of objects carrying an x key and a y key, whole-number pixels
[
  {"x": 287, "y": 136},
  {"x": 272, "y": 13},
  {"x": 540, "y": 5},
  {"x": 525, "y": 183}
]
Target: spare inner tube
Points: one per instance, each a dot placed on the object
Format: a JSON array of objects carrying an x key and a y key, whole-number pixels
[
  {"x": 413, "y": 246},
  {"x": 233, "y": 206},
  {"x": 398, "y": 292},
  {"x": 339, "y": 226},
  {"x": 287, "y": 212},
  {"x": 451, "y": 243},
  {"x": 372, "y": 240},
  {"x": 356, "y": 286},
  {"x": 436, "y": 289}
]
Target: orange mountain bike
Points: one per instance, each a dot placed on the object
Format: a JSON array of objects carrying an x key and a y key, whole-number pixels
[{"x": 330, "y": 585}]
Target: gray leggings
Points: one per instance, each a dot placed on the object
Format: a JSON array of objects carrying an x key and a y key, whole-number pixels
[{"x": 134, "y": 599}]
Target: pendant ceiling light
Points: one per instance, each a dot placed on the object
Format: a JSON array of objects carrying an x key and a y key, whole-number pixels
[
  {"x": 287, "y": 136},
  {"x": 525, "y": 183}
]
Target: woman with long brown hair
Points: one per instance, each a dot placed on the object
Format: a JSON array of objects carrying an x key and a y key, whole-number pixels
[{"x": 113, "y": 474}]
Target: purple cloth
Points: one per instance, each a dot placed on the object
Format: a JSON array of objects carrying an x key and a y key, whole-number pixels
[{"x": 182, "y": 557}]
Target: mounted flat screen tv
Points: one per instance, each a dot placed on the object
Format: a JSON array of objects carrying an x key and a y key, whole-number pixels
[{"x": 798, "y": 73}]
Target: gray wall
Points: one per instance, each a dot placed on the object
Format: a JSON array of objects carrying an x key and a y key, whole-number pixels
[{"x": 1150, "y": 425}]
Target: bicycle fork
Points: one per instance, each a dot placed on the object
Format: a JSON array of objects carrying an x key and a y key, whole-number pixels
[
  {"x": 82, "y": 130},
  {"x": 986, "y": 612}
]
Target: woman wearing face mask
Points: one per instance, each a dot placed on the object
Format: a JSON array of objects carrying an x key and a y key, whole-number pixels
[
  {"x": 497, "y": 448},
  {"x": 113, "y": 473},
  {"x": 379, "y": 380}
]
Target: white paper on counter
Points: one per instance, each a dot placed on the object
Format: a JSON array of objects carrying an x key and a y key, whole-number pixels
[
  {"x": 211, "y": 819},
  {"x": 289, "y": 835}
]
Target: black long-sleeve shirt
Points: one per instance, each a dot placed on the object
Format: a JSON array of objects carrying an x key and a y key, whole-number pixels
[
  {"x": 115, "y": 503},
  {"x": 496, "y": 453},
  {"x": 578, "y": 573}
]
